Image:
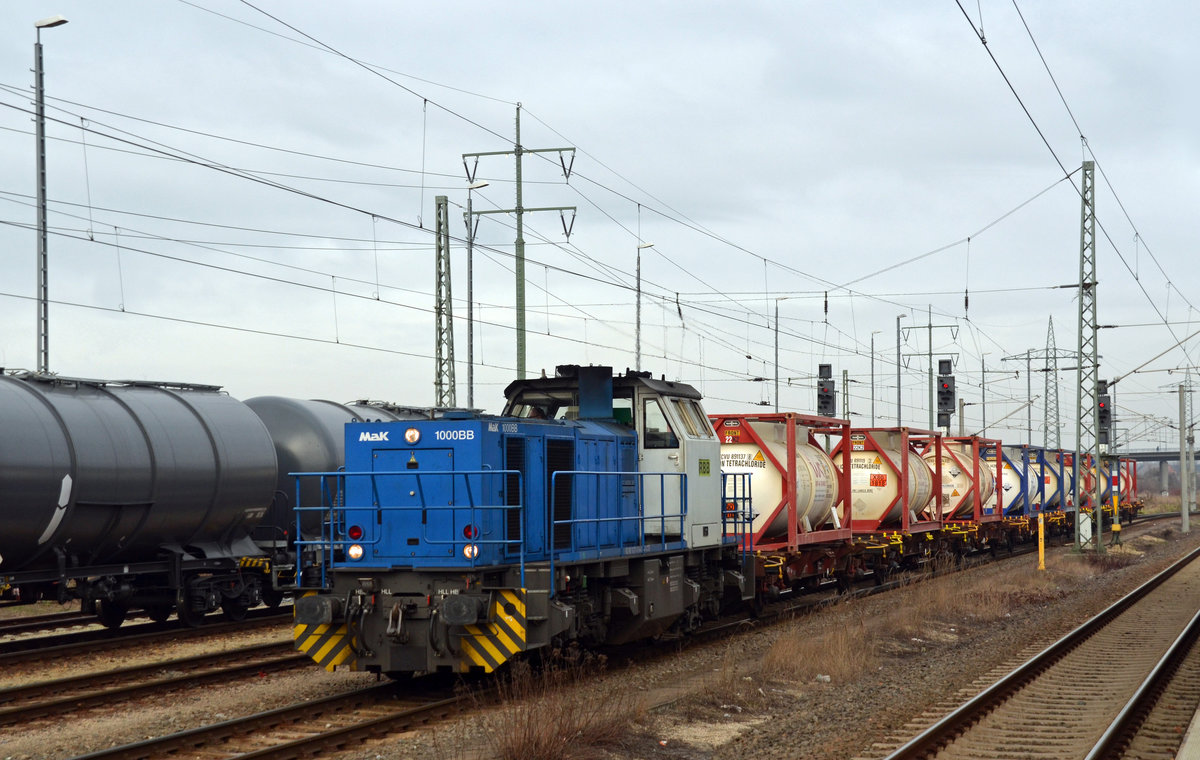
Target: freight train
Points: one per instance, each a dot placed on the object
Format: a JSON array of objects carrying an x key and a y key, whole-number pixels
[
  {"x": 603, "y": 509},
  {"x": 595, "y": 509},
  {"x": 160, "y": 497}
]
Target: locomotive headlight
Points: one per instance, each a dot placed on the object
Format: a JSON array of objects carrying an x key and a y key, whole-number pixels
[
  {"x": 355, "y": 551},
  {"x": 470, "y": 551}
]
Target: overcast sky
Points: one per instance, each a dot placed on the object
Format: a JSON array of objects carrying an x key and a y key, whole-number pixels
[{"x": 232, "y": 203}]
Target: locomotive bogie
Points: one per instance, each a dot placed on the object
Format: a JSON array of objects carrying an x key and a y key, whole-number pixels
[{"x": 402, "y": 622}]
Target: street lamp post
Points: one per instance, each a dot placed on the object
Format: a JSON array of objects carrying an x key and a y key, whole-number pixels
[
  {"x": 471, "y": 223},
  {"x": 43, "y": 340},
  {"x": 637, "y": 340},
  {"x": 898, "y": 318}
]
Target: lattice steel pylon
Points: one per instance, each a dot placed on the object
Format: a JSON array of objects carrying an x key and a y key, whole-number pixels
[
  {"x": 1087, "y": 423},
  {"x": 1053, "y": 423},
  {"x": 443, "y": 377}
]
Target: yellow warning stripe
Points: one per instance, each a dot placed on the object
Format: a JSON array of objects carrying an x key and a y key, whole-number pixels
[
  {"x": 326, "y": 645},
  {"x": 478, "y": 657},
  {"x": 490, "y": 645}
]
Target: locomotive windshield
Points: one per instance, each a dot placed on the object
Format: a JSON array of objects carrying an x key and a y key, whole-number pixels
[{"x": 560, "y": 404}]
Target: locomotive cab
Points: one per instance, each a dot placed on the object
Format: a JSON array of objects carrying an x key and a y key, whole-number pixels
[{"x": 676, "y": 447}]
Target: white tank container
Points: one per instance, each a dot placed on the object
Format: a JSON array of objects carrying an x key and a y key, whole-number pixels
[
  {"x": 816, "y": 478},
  {"x": 1011, "y": 476},
  {"x": 958, "y": 496},
  {"x": 875, "y": 482}
]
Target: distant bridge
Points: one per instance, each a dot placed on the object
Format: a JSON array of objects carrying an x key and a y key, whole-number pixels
[{"x": 1157, "y": 455}]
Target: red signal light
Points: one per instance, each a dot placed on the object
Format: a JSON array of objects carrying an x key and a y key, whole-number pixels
[{"x": 355, "y": 532}]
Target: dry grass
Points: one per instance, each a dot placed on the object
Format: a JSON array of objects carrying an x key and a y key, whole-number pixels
[
  {"x": 36, "y": 608},
  {"x": 544, "y": 716},
  {"x": 552, "y": 714},
  {"x": 841, "y": 654},
  {"x": 934, "y": 610}
]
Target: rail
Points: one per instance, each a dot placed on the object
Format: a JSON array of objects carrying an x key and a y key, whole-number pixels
[{"x": 969, "y": 713}]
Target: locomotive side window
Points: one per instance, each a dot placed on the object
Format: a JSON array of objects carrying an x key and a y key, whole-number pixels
[
  {"x": 623, "y": 411},
  {"x": 689, "y": 424},
  {"x": 656, "y": 430},
  {"x": 706, "y": 429}
]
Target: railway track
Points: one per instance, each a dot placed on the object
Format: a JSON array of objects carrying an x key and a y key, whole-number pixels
[
  {"x": 99, "y": 640},
  {"x": 1086, "y": 695},
  {"x": 304, "y": 730},
  {"x": 20, "y": 705},
  {"x": 1149, "y": 725},
  {"x": 340, "y": 722},
  {"x": 49, "y": 622}
]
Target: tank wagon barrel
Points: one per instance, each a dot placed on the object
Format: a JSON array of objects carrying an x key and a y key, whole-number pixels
[
  {"x": 108, "y": 472},
  {"x": 109, "y": 485},
  {"x": 159, "y": 496},
  {"x": 798, "y": 494},
  {"x": 968, "y": 479},
  {"x": 892, "y": 487}
]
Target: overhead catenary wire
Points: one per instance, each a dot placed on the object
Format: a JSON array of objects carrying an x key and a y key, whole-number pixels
[
  {"x": 764, "y": 259},
  {"x": 1012, "y": 88}
]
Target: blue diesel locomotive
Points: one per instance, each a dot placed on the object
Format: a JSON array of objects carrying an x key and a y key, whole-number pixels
[{"x": 591, "y": 510}]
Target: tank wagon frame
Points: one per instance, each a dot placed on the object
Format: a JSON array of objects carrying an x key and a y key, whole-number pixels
[
  {"x": 971, "y": 516},
  {"x": 800, "y": 533}
]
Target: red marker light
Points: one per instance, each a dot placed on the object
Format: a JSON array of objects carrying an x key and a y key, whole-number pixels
[{"x": 355, "y": 533}]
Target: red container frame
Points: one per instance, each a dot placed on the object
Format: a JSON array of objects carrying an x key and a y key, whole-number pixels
[
  {"x": 975, "y": 445},
  {"x": 909, "y": 521},
  {"x": 797, "y": 536}
]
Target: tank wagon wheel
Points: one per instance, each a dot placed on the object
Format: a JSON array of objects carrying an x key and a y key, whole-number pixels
[
  {"x": 234, "y": 609},
  {"x": 111, "y": 614},
  {"x": 272, "y": 598},
  {"x": 187, "y": 616},
  {"x": 159, "y": 612}
]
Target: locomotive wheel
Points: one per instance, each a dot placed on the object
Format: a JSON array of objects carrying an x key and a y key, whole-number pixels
[
  {"x": 159, "y": 612},
  {"x": 111, "y": 614},
  {"x": 234, "y": 609}
]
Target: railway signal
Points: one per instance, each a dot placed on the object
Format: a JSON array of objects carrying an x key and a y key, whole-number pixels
[
  {"x": 1103, "y": 410},
  {"x": 826, "y": 392},
  {"x": 945, "y": 393}
]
